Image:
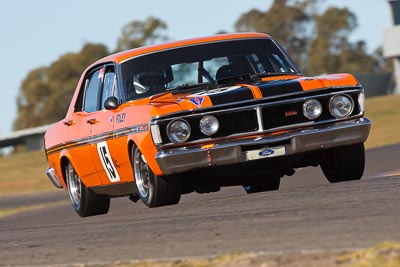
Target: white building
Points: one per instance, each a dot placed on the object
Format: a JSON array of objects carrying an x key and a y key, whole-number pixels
[{"x": 391, "y": 42}]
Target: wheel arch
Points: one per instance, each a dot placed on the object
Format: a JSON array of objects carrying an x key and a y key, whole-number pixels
[
  {"x": 66, "y": 158},
  {"x": 144, "y": 143},
  {"x": 131, "y": 145},
  {"x": 63, "y": 163}
]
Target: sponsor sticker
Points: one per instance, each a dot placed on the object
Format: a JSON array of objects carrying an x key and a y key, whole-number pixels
[{"x": 197, "y": 101}]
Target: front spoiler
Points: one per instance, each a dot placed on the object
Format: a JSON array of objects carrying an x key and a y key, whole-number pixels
[{"x": 177, "y": 160}]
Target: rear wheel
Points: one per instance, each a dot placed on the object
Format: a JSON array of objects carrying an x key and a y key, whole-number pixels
[
  {"x": 84, "y": 201},
  {"x": 153, "y": 190},
  {"x": 269, "y": 184},
  {"x": 344, "y": 163}
]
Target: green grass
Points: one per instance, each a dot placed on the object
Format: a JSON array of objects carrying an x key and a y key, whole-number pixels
[{"x": 23, "y": 172}]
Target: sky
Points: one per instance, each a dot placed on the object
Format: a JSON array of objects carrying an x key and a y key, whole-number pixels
[{"x": 36, "y": 33}]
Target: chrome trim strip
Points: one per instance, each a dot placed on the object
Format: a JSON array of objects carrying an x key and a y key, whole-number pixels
[
  {"x": 176, "y": 160},
  {"x": 282, "y": 128},
  {"x": 259, "y": 120},
  {"x": 53, "y": 178}
]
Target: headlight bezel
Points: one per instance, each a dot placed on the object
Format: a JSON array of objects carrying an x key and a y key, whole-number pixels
[
  {"x": 173, "y": 137},
  {"x": 332, "y": 106},
  {"x": 203, "y": 125},
  {"x": 305, "y": 109}
]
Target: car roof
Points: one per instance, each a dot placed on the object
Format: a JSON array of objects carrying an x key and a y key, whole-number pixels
[{"x": 122, "y": 56}]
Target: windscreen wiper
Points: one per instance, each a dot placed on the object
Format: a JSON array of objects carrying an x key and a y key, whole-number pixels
[
  {"x": 189, "y": 86},
  {"x": 270, "y": 74},
  {"x": 234, "y": 79}
]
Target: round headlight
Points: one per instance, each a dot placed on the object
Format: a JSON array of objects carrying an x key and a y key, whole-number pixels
[
  {"x": 341, "y": 106},
  {"x": 312, "y": 109},
  {"x": 209, "y": 125},
  {"x": 178, "y": 131}
]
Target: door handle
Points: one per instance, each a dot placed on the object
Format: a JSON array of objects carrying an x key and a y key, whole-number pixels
[
  {"x": 92, "y": 121},
  {"x": 69, "y": 123}
]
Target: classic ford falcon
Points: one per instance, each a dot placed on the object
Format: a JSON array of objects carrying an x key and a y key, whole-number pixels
[{"x": 160, "y": 121}]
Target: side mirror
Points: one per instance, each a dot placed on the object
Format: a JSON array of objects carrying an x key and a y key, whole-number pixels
[{"x": 111, "y": 103}]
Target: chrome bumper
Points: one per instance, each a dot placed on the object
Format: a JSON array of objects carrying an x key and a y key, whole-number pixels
[
  {"x": 53, "y": 178},
  {"x": 176, "y": 160}
]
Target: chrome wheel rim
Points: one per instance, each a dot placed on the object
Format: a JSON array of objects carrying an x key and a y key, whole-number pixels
[
  {"x": 74, "y": 185},
  {"x": 142, "y": 174}
]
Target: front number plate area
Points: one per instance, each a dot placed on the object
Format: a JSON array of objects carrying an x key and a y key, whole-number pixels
[{"x": 265, "y": 153}]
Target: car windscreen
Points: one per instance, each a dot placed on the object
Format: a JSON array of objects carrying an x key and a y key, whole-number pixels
[{"x": 207, "y": 63}]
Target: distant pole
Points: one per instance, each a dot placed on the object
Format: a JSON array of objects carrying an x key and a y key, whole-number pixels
[{"x": 391, "y": 41}]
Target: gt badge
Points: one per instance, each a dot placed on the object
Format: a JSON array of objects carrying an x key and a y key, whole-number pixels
[{"x": 290, "y": 113}]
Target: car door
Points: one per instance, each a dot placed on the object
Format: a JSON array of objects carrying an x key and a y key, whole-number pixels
[
  {"x": 78, "y": 128},
  {"x": 104, "y": 149}
]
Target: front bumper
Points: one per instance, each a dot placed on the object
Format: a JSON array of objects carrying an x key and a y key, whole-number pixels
[{"x": 176, "y": 160}]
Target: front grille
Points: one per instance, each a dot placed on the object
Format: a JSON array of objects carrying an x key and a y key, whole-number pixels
[
  {"x": 278, "y": 116},
  {"x": 274, "y": 114},
  {"x": 237, "y": 122},
  {"x": 291, "y": 113}
]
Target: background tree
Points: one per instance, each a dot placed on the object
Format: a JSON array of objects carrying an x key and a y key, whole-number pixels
[
  {"x": 46, "y": 92},
  {"x": 317, "y": 42},
  {"x": 286, "y": 21},
  {"x": 331, "y": 50},
  {"x": 141, "y": 33}
]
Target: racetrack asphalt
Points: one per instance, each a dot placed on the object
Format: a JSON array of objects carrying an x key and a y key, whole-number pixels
[{"x": 306, "y": 214}]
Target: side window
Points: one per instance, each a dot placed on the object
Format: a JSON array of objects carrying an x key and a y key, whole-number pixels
[
  {"x": 92, "y": 91},
  {"x": 109, "y": 86}
]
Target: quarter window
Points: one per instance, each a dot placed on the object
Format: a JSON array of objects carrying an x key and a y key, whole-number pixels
[
  {"x": 91, "y": 98},
  {"x": 109, "y": 86}
]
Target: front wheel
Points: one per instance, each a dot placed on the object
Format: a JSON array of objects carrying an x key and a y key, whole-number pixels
[
  {"x": 344, "y": 163},
  {"x": 153, "y": 190},
  {"x": 84, "y": 201}
]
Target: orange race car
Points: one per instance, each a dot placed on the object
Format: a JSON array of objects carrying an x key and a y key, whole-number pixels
[{"x": 156, "y": 122}]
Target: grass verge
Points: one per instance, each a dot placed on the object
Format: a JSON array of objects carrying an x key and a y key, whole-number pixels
[
  {"x": 384, "y": 112},
  {"x": 24, "y": 173},
  {"x": 386, "y": 254}
]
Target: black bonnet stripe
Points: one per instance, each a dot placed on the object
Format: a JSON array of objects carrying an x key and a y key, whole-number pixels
[
  {"x": 274, "y": 88},
  {"x": 231, "y": 95}
]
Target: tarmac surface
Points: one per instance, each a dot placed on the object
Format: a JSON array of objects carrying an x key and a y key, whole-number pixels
[{"x": 306, "y": 214}]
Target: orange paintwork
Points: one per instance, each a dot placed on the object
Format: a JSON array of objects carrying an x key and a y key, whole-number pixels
[
  {"x": 75, "y": 137},
  {"x": 254, "y": 90},
  {"x": 332, "y": 80}
]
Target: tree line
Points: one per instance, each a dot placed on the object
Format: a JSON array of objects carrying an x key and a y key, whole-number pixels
[{"x": 318, "y": 41}]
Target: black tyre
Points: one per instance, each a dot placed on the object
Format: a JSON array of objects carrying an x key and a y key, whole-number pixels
[
  {"x": 344, "y": 163},
  {"x": 153, "y": 190},
  {"x": 84, "y": 201},
  {"x": 268, "y": 184}
]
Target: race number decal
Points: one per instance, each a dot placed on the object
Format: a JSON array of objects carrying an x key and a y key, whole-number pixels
[{"x": 106, "y": 161}]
